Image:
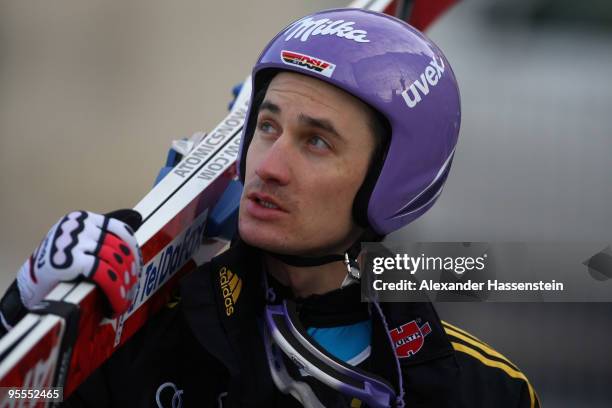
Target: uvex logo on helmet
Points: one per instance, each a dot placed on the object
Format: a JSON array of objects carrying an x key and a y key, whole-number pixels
[
  {"x": 308, "y": 63},
  {"x": 306, "y": 27},
  {"x": 430, "y": 76}
]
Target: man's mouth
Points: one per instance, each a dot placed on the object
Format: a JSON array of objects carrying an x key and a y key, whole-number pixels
[
  {"x": 265, "y": 201},
  {"x": 266, "y": 204}
]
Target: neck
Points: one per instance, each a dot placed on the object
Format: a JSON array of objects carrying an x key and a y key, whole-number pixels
[{"x": 306, "y": 281}]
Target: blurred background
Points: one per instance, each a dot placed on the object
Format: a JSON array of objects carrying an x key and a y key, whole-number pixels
[{"x": 92, "y": 93}]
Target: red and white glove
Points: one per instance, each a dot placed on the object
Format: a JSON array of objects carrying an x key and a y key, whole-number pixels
[{"x": 100, "y": 248}]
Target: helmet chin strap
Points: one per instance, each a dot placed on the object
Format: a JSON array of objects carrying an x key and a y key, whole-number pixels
[{"x": 349, "y": 259}]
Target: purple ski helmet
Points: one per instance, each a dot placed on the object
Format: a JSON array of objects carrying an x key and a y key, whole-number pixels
[{"x": 398, "y": 72}]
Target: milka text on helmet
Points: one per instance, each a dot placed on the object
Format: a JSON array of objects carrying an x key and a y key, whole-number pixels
[{"x": 306, "y": 27}]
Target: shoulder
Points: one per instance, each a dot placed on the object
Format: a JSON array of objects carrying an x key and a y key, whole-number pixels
[
  {"x": 488, "y": 373},
  {"x": 236, "y": 259},
  {"x": 222, "y": 279},
  {"x": 226, "y": 270}
]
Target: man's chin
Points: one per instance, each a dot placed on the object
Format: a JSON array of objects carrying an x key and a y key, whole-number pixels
[
  {"x": 279, "y": 246},
  {"x": 272, "y": 239},
  {"x": 261, "y": 238},
  {"x": 268, "y": 245}
]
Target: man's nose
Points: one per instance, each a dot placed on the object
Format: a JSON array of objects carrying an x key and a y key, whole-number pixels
[{"x": 275, "y": 164}]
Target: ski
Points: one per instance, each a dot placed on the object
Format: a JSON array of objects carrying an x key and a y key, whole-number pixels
[
  {"x": 174, "y": 212},
  {"x": 68, "y": 338}
]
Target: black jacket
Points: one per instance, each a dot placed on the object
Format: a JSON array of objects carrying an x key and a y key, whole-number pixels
[{"x": 205, "y": 350}]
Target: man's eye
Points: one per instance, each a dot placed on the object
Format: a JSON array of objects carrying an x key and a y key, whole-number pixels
[
  {"x": 318, "y": 142},
  {"x": 266, "y": 127}
]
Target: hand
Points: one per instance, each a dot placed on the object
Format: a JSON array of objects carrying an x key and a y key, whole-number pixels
[{"x": 100, "y": 248}]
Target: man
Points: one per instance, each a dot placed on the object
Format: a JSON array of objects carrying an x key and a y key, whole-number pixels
[{"x": 350, "y": 135}]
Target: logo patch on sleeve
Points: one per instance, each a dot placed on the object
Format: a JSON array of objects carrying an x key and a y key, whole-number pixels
[
  {"x": 408, "y": 339},
  {"x": 308, "y": 63},
  {"x": 231, "y": 285}
]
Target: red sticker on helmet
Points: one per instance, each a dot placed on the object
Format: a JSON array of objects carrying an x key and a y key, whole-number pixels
[{"x": 308, "y": 63}]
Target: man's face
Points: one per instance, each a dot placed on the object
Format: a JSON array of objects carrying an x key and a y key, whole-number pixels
[{"x": 308, "y": 157}]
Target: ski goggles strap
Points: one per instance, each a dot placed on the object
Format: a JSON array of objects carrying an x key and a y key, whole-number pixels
[{"x": 289, "y": 335}]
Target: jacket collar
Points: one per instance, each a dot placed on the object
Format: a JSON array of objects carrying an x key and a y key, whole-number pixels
[{"x": 221, "y": 305}]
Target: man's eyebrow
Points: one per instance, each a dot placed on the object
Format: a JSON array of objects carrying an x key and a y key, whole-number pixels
[
  {"x": 269, "y": 106},
  {"x": 323, "y": 124}
]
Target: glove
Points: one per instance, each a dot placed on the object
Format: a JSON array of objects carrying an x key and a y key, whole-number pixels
[{"x": 100, "y": 248}]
